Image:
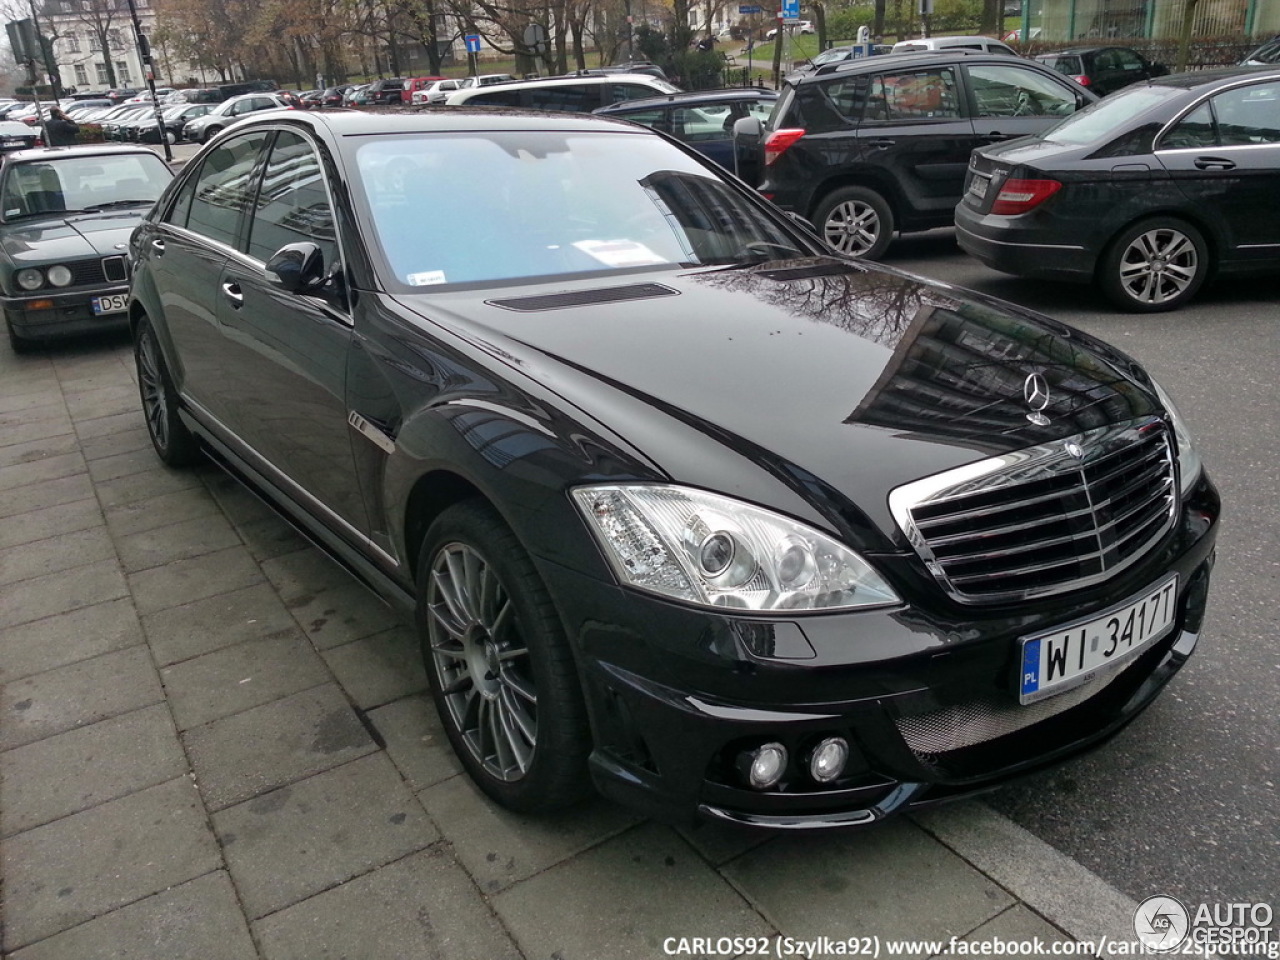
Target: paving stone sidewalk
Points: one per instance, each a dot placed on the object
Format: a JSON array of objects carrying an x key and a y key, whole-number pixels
[{"x": 217, "y": 746}]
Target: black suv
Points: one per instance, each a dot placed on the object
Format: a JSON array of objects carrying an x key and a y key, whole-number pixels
[
  {"x": 865, "y": 148},
  {"x": 387, "y": 91}
]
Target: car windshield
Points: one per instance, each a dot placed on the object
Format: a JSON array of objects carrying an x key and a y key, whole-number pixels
[
  {"x": 537, "y": 204},
  {"x": 827, "y": 56},
  {"x": 78, "y": 184},
  {"x": 1098, "y": 121}
]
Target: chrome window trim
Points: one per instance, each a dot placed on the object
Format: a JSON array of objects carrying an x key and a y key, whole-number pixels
[
  {"x": 1202, "y": 98},
  {"x": 1006, "y": 470},
  {"x": 263, "y": 465}
]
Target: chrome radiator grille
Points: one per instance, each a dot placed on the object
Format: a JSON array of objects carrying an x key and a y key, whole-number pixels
[{"x": 1044, "y": 520}]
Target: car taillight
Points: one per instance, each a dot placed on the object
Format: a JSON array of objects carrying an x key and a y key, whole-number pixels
[
  {"x": 779, "y": 142},
  {"x": 1019, "y": 196},
  {"x": 1082, "y": 80}
]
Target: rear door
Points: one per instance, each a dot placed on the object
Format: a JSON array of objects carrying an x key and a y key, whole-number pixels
[
  {"x": 914, "y": 127},
  {"x": 1225, "y": 157}
]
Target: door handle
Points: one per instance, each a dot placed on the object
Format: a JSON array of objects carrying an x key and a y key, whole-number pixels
[
  {"x": 995, "y": 135},
  {"x": 231, "y": 290},
  {"x": 158, "y": 245},
  {"x": 1213, "y": 163},
  {"x": 881, "y": 144}
]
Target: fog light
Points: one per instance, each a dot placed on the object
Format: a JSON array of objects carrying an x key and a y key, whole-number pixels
[
  {"x": 768, "y": 763},
  {"x": 827, "y": 761}
]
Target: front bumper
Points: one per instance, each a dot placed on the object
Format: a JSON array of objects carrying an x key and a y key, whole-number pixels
[
  {"x": 926, "y": 699},
  {"x": 53, "y": 316}
]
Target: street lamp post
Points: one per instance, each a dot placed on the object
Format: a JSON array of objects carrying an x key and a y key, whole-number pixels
[{"x": 144, "y": 59}]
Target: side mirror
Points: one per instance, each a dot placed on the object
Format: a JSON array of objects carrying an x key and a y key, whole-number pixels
[{"x": 296, "y": 267}]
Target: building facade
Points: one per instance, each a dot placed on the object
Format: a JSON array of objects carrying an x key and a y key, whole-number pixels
[{"x": 94, "y": 45}]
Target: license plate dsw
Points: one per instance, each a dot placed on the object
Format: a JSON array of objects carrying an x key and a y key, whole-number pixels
[
  {"x": 1058, "y": 660},
  {"x": 116, "y": 303}
]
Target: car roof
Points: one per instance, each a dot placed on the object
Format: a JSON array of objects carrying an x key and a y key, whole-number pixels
[
  {"x": 691, "y": 96},
  {"x": 877, "y": 63},
  {"x": 1203, "y": 78},
  {"x": 79, "y": 150},
  {"x": 404, "y": 119},
  {"x": 1076, "y": 51}
]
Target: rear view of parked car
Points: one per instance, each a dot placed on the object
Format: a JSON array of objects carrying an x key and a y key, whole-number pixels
[
  {"x": 1103, "y": 70},
  {"x": 866, "y": 148},
  {"x": 1149, "y": 194}
]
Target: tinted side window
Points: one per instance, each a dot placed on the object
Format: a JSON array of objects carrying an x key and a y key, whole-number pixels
[
  {"x": 1195, "y": 130},
  {"x": 618, "y": 92},
  {"x": 498, "y": 98},
  {"x": 1013, "y": 91},
  {"x": 223, "y": 187},
  {"x": 655, "y": 118},
  {"x": 292, "y": 203},
  {"x": 1249, "y": 114},
  {"x": 568, "y": 98},
  {"x": 913, "y": 95}
]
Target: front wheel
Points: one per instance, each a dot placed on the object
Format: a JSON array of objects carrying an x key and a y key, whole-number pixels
[
  {"x": 501, "y": 671},
  {"x": 1155, "y": 265},
  {"x": 856, "y": 221},
  {"x": 173, "y": 442}
]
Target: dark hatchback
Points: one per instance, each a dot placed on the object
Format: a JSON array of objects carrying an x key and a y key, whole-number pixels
[
  {"x": 65, "y": 218},
  {"x": 866, "y": 148},
  {"x": 1103, "y": 70},
  {"x": 686, "y": 505},
  {"x": 703, "y": 119},
  {"x": 1149, "y": 194}
]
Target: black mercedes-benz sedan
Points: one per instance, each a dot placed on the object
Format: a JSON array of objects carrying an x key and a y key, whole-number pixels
[
  {"x": 687, "y": 506},
  {"x": 1149, "y": 193}
]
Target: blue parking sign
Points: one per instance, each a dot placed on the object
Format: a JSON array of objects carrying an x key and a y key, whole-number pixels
[{"x": 790, "y": 9}]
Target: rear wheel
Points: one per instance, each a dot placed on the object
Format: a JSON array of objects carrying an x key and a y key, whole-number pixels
[
  {"x": 173, "y": 442},
  {"x": 501, "y": 671},
  {"x": 857, "y": 221},
  {"x": 1155, "y": 265}
]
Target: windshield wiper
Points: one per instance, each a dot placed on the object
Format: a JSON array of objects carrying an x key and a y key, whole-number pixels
[{"x": 99, "y": 207}]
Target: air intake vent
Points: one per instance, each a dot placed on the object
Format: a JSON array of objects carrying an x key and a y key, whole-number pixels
[
  {"x": 115, "y": 269},
  {"x": 1045, "y": 520},
  {"x": 583, "y": 298}
]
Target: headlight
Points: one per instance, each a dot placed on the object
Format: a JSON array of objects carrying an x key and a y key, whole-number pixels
[
  {"x": 1189, "y": 463},
  {"x": 712, "y": 550},
  {"x": 60, "y": 276},
  {"x": 29, "y": 279}
]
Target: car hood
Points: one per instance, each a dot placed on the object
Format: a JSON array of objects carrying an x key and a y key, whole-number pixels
[
  {"x": 858, "y": 377},
  {"x": 39, "y": 242}
]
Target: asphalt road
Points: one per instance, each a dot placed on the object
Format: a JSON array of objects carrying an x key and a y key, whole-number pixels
[{"x": 1184, "y": 802}]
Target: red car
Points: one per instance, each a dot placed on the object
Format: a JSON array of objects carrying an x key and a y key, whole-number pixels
[{"x": 416, "y": 83}]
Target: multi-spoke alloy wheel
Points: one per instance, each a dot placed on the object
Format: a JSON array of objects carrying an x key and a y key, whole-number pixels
[
  {"x": 856, "y": 221},
  {"x": 173, "y": 442},
  {"x": 1156, "y": 265},
  {"x": 482, "y": 662},
  {"x": 501, "y": 669}
]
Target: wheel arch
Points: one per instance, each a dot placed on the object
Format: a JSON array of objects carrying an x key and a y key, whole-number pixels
[
  {"x": 431, "y": 495},
  {"x": 861, "y": 177},
  {"x": 1208, "y": 229}
]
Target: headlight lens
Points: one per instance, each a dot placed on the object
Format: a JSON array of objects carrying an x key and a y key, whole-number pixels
[
  {"x": 1189, "y": 462},
  {"x": 712, "y": 550},
  {"x": 29, "y": 279},
  {"x": 60, "y": 276}
]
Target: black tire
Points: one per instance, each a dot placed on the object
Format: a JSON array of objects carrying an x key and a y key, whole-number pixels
[
  {"x": 174, "y": 443},
  {"x": 1154, "y": 265},
  {"x": 857, "y": 221},
  {"x": 483, "y": 613},
  {"x": 18, "y": 343}
]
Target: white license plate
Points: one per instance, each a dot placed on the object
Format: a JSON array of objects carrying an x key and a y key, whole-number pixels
[
  {"x": 116, "y": 303},
  {"x": 1060, "y": 659},
  {"x": 978, "y": 187}
]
